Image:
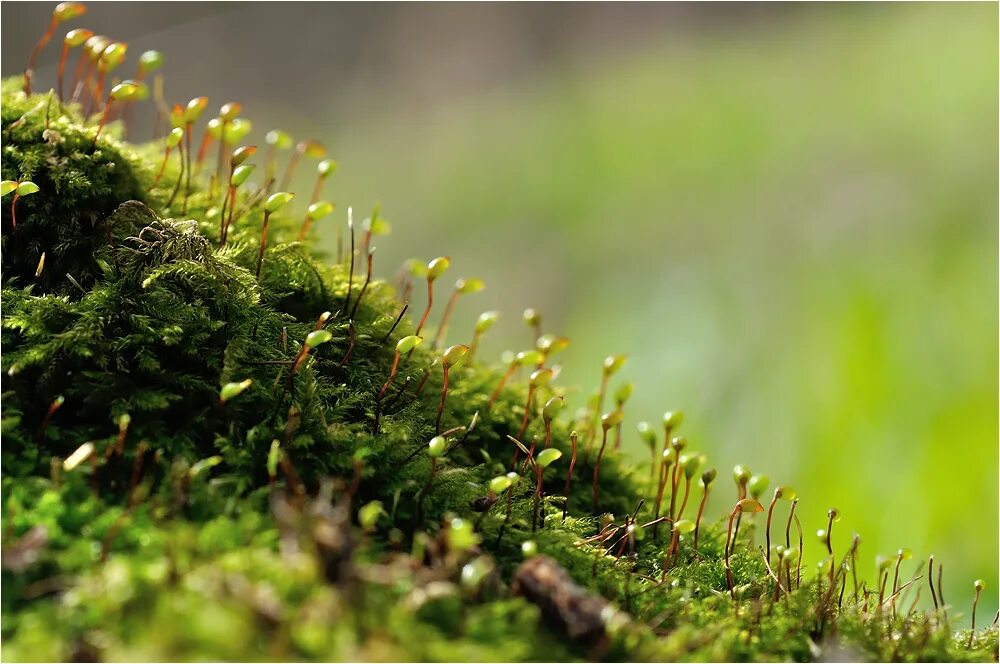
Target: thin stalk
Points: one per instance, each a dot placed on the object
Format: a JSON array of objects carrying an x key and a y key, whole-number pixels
[
  {"x": 13, "y": 209},
  {"x": 29, "y": 70},
  {"x": 503, "y": 381},
  {"x": 263, "y": 242},
  {"x": 220, "y": 156},
  {"x": 930, "y": 581},
  {"x": 350, "y": 272},
  {"x": 351, "y": 340},
  {"x": 427, "y": 310},
  {"x": 767, "y": 527},
  {"x": 524, "y": 422},
  {"x": 104, "y": 120},
  {"x": 381, "y": 394},
  {"x": 163, "y": 166},
  {"x": 406, "y": 305},
  {"x": 684, "y": 502},
  {"x": 662, "y": 483},
  {"x": 730, "y": 584},
  {"x": 188, "y": 127},
  {"x": 443, "y": 325},
  {"x": 77, "y": 88},
  {"x": 701, "y": 510},
  {"x": 569, "y": 473},
  {"x": 368, "y": 278},
  {"x": 597, "y": 466},
  {"x": 180, "y": 174},
  {"x": 444, "y": 395},
  {"x": 61, "y": 71}
]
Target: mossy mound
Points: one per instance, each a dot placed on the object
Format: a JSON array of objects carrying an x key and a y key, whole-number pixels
[{"x": 145, "y": 518}]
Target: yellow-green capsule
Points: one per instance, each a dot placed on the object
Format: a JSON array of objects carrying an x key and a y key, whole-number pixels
[
  {"x": 67, "y": 11},
  {"x": 278, "y": 139},
  {"x": 236, "y": 130},
  {"x": 436, "y": 267},
  {"x": 241, "y": 174},
  {"x": 454, "y": 354},
  {"x": 613, "y": 363},
  {"x": 320, "y": 209},
  {"x": 500, "y": 483},
  {"x": 26, "y": 188},
  {"x": 278, "y": 200},
  {"x": 552, "y": 408},
  {"x": 406, "y": 344},
  {"x": 150, "y": 61},
  {"x": 540, "y": 377},
  {"x": 547, "y": 456},
  {"x": 611, "y": 419},
  {"x": 233, "y": 390},
  {"x": 436, "y": 447},
  {"x": 683, "y": 527},
  {"x": 672, "y": 419},
  {"x": 486, "y": 320},
  {"x": 76, "y": 37},
  {"x": 194, "y": 109},
  {"x": 466, "y": 286},
  {"x": 318, "y": 337},
  {"x": 370, "y": 513},
  {"x": 242, "y": 153}
]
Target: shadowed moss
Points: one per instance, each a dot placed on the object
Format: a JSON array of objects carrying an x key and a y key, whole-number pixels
[{"x": 203, "y": 529}]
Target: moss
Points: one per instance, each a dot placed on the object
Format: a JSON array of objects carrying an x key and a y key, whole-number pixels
[{"x": 180, "y": 538}]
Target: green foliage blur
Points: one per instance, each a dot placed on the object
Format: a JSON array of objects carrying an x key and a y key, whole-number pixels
[{"x": 791, "y": 229}]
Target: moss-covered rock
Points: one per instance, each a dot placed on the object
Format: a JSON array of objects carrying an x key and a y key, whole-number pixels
[{"x": 147, "y": 518}]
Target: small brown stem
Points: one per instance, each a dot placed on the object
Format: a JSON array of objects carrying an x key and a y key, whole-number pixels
[
  {"x": 443, "y": 325},
  {"x": 406, "y": 305},
  {"x": 730, "y": 584},
  {"x": 597, "y": 466},
  {"x": 350, "y": 272},
  {"x": 180, "y": 174},
  {"x": 351, "y": 340},
  {"x": 430, "y": 303},
  {"x": 188, "y": 130},
  {"x": 61, "y": 71},
  {"x": 569, "y": 473},
  {"x": 767, "y": 527},
  {"x": 444, "y": 395},
  {"x": 77, "y": 73},
  {"x": 503, "y": 381},
  {"x": 368, "y": 279},
  {"x": 661, "y": 485},
  {"x": 220, "y": 156},
  {"x": 104, "y": 120},
  {"x": 975, "y": 603},
  {"x": 163, "y": 166},
  {"x": 263, "y": 242},
  {"x": 524, "y": 423},
  {"x": 701, "y": 510},
  {"x": 930, "y": 581},
  {"x": 293, "y": 162},
  {"x": 29, "y": 70},
  {"x": 385, "y": 388},
  {"x": 13, "y": 209},
  {"x": 684, "y": 502}
]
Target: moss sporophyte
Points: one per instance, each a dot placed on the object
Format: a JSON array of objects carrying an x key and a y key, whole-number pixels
[{"x": 219, "y": 445}]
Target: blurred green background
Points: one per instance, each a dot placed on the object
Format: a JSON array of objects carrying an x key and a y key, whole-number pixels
[{"x": 785, "y": 216}]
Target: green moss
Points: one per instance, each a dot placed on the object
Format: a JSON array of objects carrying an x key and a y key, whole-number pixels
[{"x": 146, "y": 551}]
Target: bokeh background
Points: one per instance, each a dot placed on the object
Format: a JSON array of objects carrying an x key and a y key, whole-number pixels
[{"x": 786, "y": 215}]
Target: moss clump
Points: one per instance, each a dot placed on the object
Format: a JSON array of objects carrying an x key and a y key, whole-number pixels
[{"x": 146, "y": 519}]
